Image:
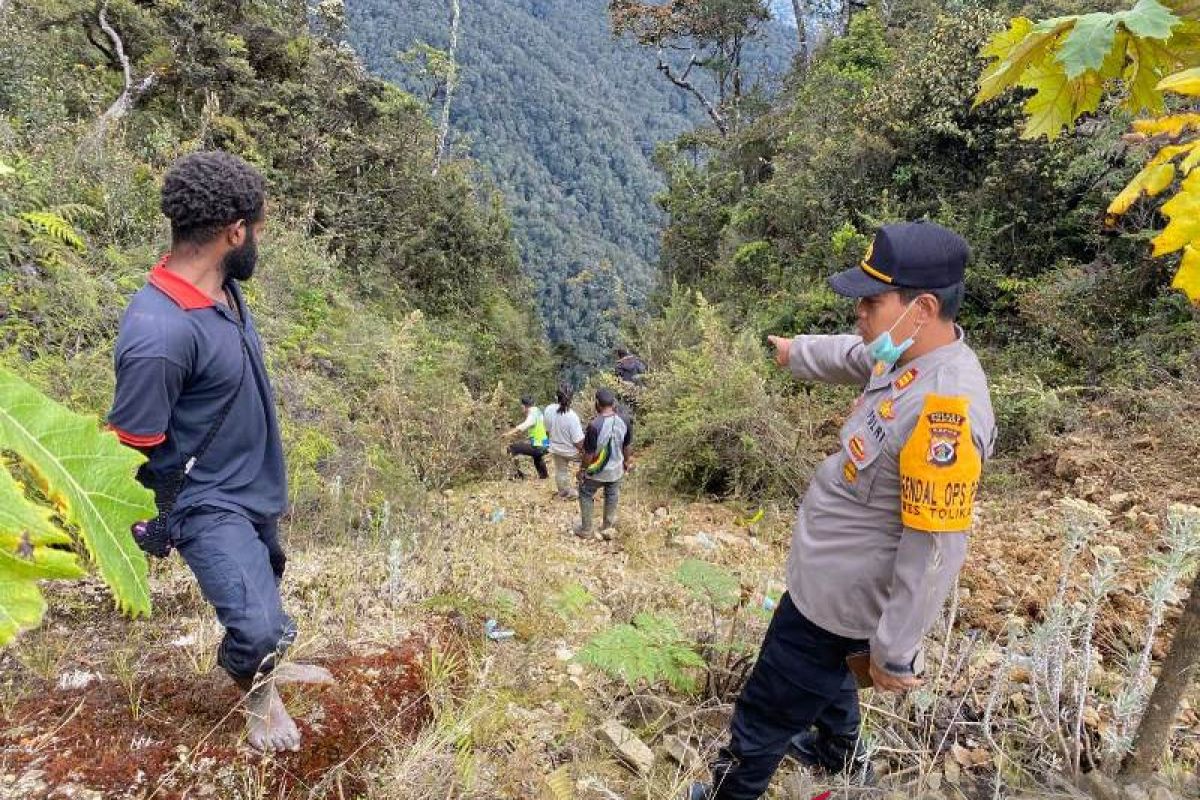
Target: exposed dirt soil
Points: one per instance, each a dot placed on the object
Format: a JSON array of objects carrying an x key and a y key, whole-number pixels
[{"x": 183, "y": 730}]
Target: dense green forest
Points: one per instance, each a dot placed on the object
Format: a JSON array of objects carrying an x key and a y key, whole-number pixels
[{"x": 567, "y": 118}]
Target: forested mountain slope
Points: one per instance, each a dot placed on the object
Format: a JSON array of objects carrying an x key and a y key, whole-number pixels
[{"x": 567, "y": 118}]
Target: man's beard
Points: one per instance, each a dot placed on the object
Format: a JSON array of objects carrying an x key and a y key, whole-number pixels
[{"x": 239, "y": 263}]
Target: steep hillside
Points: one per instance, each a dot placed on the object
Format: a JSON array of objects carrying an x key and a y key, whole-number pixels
[{"x": 567, "y": 119}]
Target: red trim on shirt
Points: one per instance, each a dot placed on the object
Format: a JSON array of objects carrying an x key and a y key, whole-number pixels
[
  {"x": 182, "y": 291},
  {"x": 140, "y": 442}
]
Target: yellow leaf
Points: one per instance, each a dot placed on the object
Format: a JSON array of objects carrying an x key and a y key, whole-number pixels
[
  {"x": 1153, "y": 178},
  {"x": 1159, "y": 178},
  {"x": 1185, "y": 82},
  {"x": 1049, "y": 109},
  {"x": 1172, "y": 125},
  {"x": 1183, "y": 211},
  {"x": 1025, "y": 45},
  {"x": 1187, "y": 279},
  {"x": 1148, "y": 59},
  {"x": 1001, "y": 44},
  {"x": 1193, "y": 158},
  {"x": 1166, "y": 154}
]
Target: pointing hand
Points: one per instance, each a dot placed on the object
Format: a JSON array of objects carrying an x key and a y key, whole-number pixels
[{"x": 783, "y": 349}]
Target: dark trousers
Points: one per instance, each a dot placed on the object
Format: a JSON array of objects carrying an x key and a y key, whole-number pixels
[
  {"x": 587, "y": 502},
  {"x": 538, "y": 454},
  {"x": 800, "y": 680},
  {"x": 238, "y": 565}
]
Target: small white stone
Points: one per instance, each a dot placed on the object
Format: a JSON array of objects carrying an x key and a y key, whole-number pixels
[{"x": 76, "y": 679}]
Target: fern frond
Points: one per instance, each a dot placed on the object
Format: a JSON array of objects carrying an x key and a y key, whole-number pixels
[
  {"x": 651, "y": 650},
  {"x": 572, "y": 600},
  {"x": 709, "y": 584},
  {"x": 560, "y": 784},
  {"x": 55, "y": 227},
  {"x": 74, "y": 212}
]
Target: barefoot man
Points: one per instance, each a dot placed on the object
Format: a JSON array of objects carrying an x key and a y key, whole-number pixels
[{"x": 192, "y": 393}]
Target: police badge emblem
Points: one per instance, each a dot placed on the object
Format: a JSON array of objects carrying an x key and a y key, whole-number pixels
[{"x": 943, "y": 452}]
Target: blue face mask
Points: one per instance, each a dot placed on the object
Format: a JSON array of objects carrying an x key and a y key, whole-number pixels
[{"x": 884, "y": 349}]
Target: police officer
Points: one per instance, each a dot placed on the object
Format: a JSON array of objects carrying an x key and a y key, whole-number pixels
[{"x": 882, "y": 531}]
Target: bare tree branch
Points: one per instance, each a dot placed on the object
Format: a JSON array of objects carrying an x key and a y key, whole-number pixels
[
  {"x": 682, "y": 82},
  {"x": 451, "y": 81},
  {"x": 800, "y": 10},
  {"x": 120, "y": 107}
]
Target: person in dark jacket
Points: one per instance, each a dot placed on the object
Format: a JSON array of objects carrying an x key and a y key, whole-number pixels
[{"x": 193, "y": 395}]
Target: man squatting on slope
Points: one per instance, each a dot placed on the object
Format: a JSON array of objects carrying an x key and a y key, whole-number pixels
[
  {"x": 192, "y": 386},
  {"x": 882, "y": 532}
]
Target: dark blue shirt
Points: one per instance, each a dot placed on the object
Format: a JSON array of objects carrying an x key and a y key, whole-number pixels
[{"x": 179, "y": 358}]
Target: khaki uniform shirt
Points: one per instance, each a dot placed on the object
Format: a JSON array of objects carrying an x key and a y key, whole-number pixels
[{"x": 882, "y": 531}]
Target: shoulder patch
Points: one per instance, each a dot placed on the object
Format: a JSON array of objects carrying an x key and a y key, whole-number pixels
[{"x": 940, "y": 468}]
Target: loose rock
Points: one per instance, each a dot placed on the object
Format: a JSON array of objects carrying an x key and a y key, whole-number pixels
[
  {"x": 1100, "y": 786},
  {"x": 680, "y": 751},
  {"x": 632, "y": 750}
]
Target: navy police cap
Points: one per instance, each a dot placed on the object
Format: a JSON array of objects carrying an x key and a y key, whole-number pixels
[{"x": 907, "y": 255}]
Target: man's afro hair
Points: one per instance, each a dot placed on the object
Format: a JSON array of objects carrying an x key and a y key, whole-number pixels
[{"x": 205, "y": 191}]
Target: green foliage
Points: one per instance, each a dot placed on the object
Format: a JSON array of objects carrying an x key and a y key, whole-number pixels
[
  {"x": 651, "y": 650},
  {"x": 1066, "y": 61},
  {"x": 570, "y": 142},
  {"x": 390, "y": 300},
  {"x": 759, "y": 220},
  {"x": 709, "y": 584},
  {"x": 1151, "y": 50},
  {"x": 717, "y": 426},
  {"x": 86, "y": 477},
  {"x": 572, "y": 600}
]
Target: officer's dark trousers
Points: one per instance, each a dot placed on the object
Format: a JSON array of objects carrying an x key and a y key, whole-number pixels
[
  {"x": 538, "y": 454},
  {"x": 800, "y": 680},
  {"x": 238, "y": 565}
]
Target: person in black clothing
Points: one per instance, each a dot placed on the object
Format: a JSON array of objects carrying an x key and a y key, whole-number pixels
[{"x": 629, "y": 367}]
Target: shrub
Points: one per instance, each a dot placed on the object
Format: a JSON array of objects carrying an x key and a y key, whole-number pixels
[{"x": 716, "y": 425}]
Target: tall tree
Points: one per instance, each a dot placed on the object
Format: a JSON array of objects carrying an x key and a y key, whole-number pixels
[
  {"x": 709, "y": 34},
  {"x": 801, "y": 14},
  {"x": 451, "y": 81}
]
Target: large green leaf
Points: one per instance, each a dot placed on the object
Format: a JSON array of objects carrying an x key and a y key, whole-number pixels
[
  {"x": 1150, "y": 19},
  {"x": 1088, "y": 43},
  {"x": 88, "y": 475},
  {"x": 26, "y": 556}
]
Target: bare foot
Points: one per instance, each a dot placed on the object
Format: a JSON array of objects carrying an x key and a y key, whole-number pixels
[
  {"x": 268, "y": 725},
  {"x": 291, "y": 672}
]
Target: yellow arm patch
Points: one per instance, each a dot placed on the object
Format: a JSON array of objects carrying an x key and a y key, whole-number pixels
[{"x": 940, "y": 468}]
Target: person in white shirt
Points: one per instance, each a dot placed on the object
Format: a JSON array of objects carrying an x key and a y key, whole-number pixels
[{"x": 566, "y": 439}]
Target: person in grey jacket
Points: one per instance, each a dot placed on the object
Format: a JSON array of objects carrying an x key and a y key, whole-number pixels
[
  {"x": 882, "y": 531},
  {"x": 607, "y": 456}
]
